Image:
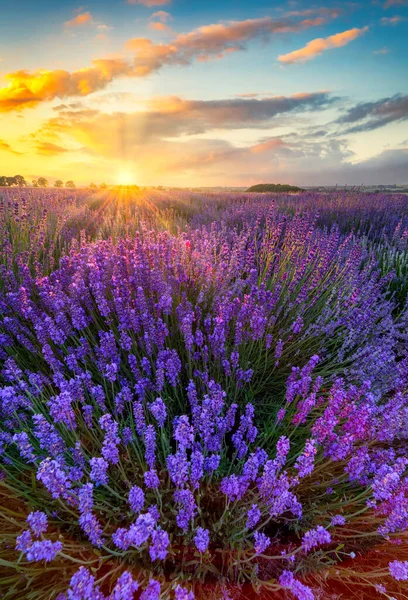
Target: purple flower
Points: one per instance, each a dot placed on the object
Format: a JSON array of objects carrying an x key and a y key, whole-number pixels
[
  {"x": 305, "y": 462},
  {"x": 92, "y": 528},
  {"x": 183, "y": 432},
  {"x": 187, "y": 510},
  {"x": 298, "y": 589},
  {"x": 38, "y": 522},
  {"x": 61, "y": 409},
  {"x": 152, "y": 592},
  {"x": 159, "y": 411},
  {"x": 253, "y": 516},
  {"x": 54, "y": 478},
  {"x": 24, "y": 446},
  {"x": 262, "y": 542},
  {"x": 24, "y": 541},
  {"x": 202, "y": 539},
  {"x": 151, "y": 479},
  {"x": 136, "y": 499},
  {"x": 159, "y": 543},
  {"x": 111, "y": 441},
  {"x": 125, "y": 587},
  {"x": 98, "y": 473},
  {"x": 43, "y": 550},
  {"x": 82, "y": 586},
  {"x": 85, "y": 498},
  {"x": 338, "y": 520},
  {"x": 315, "y": 537},
  {"x": 150, "y": 443},
  {"x": 181, "y": 593},
  {"x": 178, "y": 466},
  {"x": 399, "y": 570}
]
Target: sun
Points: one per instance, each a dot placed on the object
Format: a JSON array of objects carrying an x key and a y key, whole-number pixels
[{"x": 126, "y": 178}]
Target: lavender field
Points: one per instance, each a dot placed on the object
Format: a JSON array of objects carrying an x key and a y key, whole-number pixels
[{"x": 203, "y": 395}]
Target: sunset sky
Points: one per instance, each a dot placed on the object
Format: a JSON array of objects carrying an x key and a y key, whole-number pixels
[{"x": 204, "y": 92}]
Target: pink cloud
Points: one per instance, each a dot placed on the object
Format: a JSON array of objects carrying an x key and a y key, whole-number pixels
[{"x": 319, "y": 45}]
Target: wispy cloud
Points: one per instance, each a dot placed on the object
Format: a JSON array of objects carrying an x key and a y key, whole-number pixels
[
  {"x": 392, "y": 20},
  {"x": 391, "y": 3},
  {"x": 5, "y": 147},
  {"x": 49, "y": 149},
  {"x": 373, "y": 115},
  {"x": 161, "y": 15},
  {"x": 319, "y": 45},
  {"x": 383, "y": 50},
  {"x": 81, "y": 19}
]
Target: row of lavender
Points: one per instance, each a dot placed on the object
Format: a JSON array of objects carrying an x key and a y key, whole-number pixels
[{"x": 214, "y": 390}]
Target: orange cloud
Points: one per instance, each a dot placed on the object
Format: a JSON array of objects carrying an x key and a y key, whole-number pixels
[
  {"x": 212, "y": 41},
  {"x": 81, "y": 19},
  {"x": 29, "y": 89},
  {"x": 157, "y": 26},
  {"x": 48, "y": 149},
  {"x": 319, "y": 45},
  {"x": 215, "y": 41}
]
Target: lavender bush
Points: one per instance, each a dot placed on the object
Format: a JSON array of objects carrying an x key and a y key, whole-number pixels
[{"x": 200, "y": 408}]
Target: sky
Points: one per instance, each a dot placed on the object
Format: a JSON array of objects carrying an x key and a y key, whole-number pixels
[{"x": 205, "y": 93}]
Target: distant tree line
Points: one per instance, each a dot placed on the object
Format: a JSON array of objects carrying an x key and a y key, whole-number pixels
[
  {"x": 19, "y": 181},
  {"x": 274, "y": 187},
  {"x": 16, "y": 181}
]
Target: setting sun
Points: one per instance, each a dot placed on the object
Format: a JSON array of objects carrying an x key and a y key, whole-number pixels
[{"x": 126, "y": 178}]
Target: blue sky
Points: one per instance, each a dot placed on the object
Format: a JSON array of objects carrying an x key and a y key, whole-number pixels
[{"x": 204, "y": 92}]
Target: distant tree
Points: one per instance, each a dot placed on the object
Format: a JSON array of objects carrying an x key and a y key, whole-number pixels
[
  {"x": 103, "y": 186},
  {"x": 59, "y": 183},
  {"x": 20, "y": 181},
  {"x": 274, "y": 187},
  {"x": 42, "y": 182},
  {"x": 3, "y": 181},
  {"x": 93, "y": 186},
  {"x": 35, "y": 183},
  {"x": 70, "y": 184},
  {"x": 11, "y": 181}
]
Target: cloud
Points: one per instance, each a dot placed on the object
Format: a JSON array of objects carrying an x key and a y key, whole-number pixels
[
  {"x": 319, "y": 45},
  {"x": 391, "y": 3},
  {"x": 81, "y": 19},
  {"x": 170, "y": 117},
  {"x": 383, "y": 50},
  {"x": 392, "y": 20},
  {"x": 49, "y": 149},
  {"x": 373, "y": 115},
  {"x": 28, "y": 89},
  {"x": 158, "y": 26},
  {"x": 149, "y": 2},
  {"x": 212, "y": 41},
  {"x": 162, "y": 15},
  {"x": 5, "y": 147}
]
